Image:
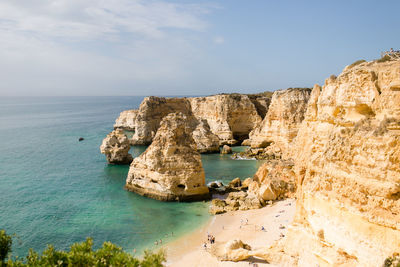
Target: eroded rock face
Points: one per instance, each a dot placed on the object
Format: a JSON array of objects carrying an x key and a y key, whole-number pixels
[
  {"x": 231, "y": 117},
  {"x": 283, "y": 120},
  {"x": 206, "y": 141},
  {"x": 150, "y": 114},
  {"x": 116, "y": 148},
  {"x": 275, "y": 180},
  {"x": 170, "y": 169},
  {"x": 126, "y": 120},
  {"x": 347, "y": 165}
]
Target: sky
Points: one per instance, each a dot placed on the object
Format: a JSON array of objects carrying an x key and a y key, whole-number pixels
[{"x": 184, "y": 47}]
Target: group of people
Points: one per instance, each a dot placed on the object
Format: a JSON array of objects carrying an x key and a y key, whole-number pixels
[
  {"x": 159, "y": 242},
  {"x": 211, "y": 240}
]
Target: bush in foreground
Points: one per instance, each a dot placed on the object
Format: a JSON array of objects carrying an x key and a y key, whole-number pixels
[{"x": 80, "y": 255}]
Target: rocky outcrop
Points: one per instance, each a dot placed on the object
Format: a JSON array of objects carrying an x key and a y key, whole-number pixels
[
  {"x": 231, "y": 117},
  {"x": 235, "y": 250},
  {"x": 116, "y": 148},
  {"x": 274, "y": 180},
  {"x": 170, "y": 169},
  {"x": 126, "y": 120},
  {"x": 206, "y": 141},
  {"x": 347, "y": 167},
  {"x": 271, "y": 152},
  {"x": 150, "y": 114},
  {"x": 226, "y": 150},
  {"x": 235, "y": 201},
  {"x": 284, "y": 117}
]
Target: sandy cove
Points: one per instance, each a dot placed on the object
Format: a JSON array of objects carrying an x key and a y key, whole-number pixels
[{"x": 188, "y": 251}]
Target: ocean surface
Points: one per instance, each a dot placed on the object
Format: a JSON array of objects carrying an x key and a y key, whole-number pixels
[{"x": 56, "y": 190}]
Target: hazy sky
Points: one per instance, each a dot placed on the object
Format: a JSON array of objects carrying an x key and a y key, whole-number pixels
[{"x": 145, "y": 47}]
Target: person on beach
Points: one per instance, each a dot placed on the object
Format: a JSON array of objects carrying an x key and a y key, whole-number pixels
[
  {"x": 205, "y": 245},
  {"x": 262, "y": 228},
  {"x": 160, "y": 241},
  {"x": 156, "y": 243}
]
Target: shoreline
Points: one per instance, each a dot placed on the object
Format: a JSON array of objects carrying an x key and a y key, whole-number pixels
[{"x": 188, "y": 249}]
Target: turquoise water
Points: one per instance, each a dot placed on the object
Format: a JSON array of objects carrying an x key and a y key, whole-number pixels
[{"x": 56, "y": 190}]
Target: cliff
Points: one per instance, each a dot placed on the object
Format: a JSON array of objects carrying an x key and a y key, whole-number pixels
[
  {"x": 170, "y": 169},
  {"x": 126, "y": 120},
  {"x": 150, "y": 113},
  {"x": 347, "y": 167},
  {"x": 282, "y": 121},
  {"x": 230, "y": 117}
]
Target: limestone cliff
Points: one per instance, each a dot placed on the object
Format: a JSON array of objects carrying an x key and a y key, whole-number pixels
[
  {"x": 116, "y": 148},
  {"x": 170, "y": 169},
  {"x": 150, "y": 113},
  {"x": 206, "y": 141},
  {"x": 347, "y": 165},
  {"x": 231, "y": 117},
  {"x": 126, "y": 120},
  {"x": 282, "y": 121}
]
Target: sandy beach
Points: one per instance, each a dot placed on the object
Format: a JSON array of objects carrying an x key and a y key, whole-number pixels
[{"x": 243, "y": 225}]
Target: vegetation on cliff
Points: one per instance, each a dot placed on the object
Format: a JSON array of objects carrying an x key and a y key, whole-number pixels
[{"x": 80, "y": 254}]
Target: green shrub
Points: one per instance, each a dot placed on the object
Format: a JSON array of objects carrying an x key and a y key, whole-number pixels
[
  {"x": 384, "y": 59},
  {"x": 5, "y": 246},
  {"x": 80, "y": 255}
]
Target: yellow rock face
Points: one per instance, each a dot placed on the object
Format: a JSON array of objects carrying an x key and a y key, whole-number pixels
[
  {"x": 126, "y": 120},
  {"x": 283, "y": 119},
  {"x": 116, "y": 147},
  {"x": 231, "y": 117},
  {"x": 347, "y": 165},
  {"x": 170, "y": 169}
]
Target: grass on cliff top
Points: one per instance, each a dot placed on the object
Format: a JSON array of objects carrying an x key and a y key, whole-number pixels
[
  {"x": 80, "y": 254},
  {"x": 358, "y": 62},
  {"x": 384, "y": 59}
]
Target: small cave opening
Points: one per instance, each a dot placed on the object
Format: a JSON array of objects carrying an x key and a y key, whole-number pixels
[
  {"x": 181, "y": 186},
  {"x": 240, "y": 137}
]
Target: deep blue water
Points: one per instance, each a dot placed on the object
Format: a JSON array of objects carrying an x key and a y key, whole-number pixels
[{"x": 56, "y": 190}]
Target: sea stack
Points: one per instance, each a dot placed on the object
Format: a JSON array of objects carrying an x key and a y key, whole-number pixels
[
  {"x": 170, "y": 169},
  {"x": 116, "y": 148}
]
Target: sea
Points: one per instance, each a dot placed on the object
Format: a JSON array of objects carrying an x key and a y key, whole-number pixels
[{"x": 57, "y": 190}]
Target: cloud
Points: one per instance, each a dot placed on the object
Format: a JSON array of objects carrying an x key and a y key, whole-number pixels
[
  {"x": 98, "y": 18},
  {"x": 219, "y": 40},
  {"x": 97, "y": 47}
]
